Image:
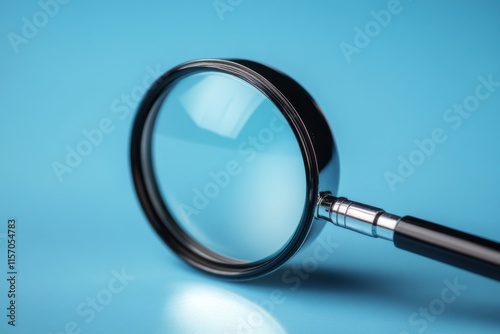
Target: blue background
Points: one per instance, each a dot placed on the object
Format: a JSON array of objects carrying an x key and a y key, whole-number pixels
[{"x": 75, "y": 233}]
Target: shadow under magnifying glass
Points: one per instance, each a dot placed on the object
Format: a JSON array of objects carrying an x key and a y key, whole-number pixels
[{"x": 403, "y": 291}]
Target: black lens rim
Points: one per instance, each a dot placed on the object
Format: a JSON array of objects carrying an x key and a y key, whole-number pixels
[{"x": 276, "y": 86}]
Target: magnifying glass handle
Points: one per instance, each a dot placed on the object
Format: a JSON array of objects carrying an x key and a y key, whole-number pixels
[{"x": 463, "y": 250}]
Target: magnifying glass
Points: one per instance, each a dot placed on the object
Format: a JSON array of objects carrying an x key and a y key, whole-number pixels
[{"x": 236, "y": 169}]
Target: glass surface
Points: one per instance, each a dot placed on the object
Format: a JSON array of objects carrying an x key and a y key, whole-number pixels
[{"x": 228, "y": 166}]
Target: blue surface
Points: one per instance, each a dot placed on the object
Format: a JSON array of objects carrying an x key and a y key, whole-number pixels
[{"x": 88, "y": 262}]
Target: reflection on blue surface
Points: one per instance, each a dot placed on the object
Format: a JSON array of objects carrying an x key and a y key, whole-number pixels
[
  {"x": 229, "y": 166},
  {"x": 204, "y": 308}
]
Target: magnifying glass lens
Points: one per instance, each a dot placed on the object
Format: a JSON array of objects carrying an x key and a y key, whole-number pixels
[{"x": 228, "y": 166}]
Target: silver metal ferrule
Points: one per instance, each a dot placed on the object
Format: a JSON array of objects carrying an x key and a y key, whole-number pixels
[{"x": 358, "y": 217}]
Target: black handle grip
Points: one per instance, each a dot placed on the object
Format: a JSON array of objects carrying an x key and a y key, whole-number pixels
[{"x": 450, "y": 246}]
